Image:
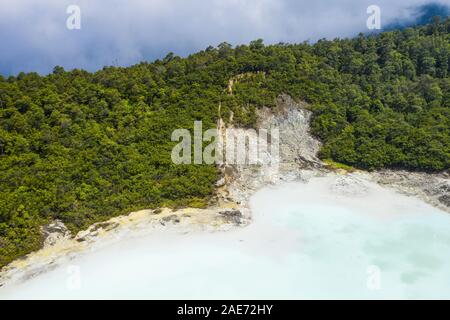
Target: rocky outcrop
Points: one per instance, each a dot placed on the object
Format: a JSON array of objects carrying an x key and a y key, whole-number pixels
[
  {"x": 298, "y": 161},
  {"x": 232, "y": 216},
  {"x": 433, "y": 188},
  {"x": 54, "y": 232},
  {"x": 297, "y": 151}
]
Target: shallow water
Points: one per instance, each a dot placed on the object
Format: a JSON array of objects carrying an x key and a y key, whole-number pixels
[{"x": 330, "y": 238}]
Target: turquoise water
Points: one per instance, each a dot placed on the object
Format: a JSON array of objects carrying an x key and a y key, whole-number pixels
[{"x": 306, "y": 241}]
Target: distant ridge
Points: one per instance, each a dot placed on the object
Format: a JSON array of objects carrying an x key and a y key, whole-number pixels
[{"x": 421, "y": 15}]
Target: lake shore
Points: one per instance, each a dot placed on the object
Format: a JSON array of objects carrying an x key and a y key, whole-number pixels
[
  {"x": 233, "y": 207},
  {"x": 314, "y": 239}
]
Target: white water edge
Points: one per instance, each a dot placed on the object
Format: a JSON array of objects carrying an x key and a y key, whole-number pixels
[{"x": 335, "y": 237}]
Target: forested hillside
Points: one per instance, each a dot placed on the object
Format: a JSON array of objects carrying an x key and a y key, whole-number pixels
[{"x": 82, "y": 147}]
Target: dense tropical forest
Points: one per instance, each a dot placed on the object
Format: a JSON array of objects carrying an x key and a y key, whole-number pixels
[{"x": 82, "y": 147}]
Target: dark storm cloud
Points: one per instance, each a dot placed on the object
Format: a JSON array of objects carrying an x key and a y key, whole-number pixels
[{"x": 35, "y": 38}]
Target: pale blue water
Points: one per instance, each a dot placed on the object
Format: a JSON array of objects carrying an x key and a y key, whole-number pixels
[{"x": 306, "y": 242}]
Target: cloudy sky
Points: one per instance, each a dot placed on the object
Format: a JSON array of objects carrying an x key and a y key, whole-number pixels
[{"x": 34, "y": 36}]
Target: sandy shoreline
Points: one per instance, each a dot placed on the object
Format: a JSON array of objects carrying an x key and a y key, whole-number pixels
[{"x": 61, "y": 247}]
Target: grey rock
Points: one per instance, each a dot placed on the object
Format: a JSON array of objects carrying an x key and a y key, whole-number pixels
[
  {"x": 433, "y": 188},
  {"x": 232, "y": 216},
  {"x": 445, "y": 199},
  {"x": 172, "y": 218},
  {"x": 221, "y": 182},
  {"x": 54, "y": 231}
]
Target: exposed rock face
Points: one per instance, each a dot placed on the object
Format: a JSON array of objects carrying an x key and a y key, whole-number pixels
[
  {"x": 173, "y": 218},
  {"x": 221, "y": 182},
  {"x": 297, "y": 145},
  {"x": 432, "y": 188},
  {"x": 445, "y": 200},
  {"x": 55, "y": 231},
  {"x": 297, "y": 150},
  {"x": 298, "y": 161},
  {"x": 233, "y": 216}
]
